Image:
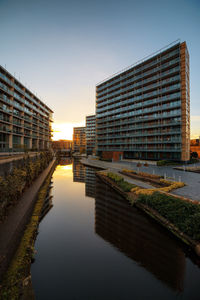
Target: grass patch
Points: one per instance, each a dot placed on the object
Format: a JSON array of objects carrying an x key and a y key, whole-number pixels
[
  {"x": 185, "y": 215},
  {"x": 119, "y": 180}
]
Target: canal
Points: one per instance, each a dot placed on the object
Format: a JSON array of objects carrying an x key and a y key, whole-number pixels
[{"x": 93, "y": 246}]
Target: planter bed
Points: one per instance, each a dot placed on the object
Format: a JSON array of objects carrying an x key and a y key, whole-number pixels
[
  {"x": 153, "y": 181},
  {"x": 138, "y": 201}
]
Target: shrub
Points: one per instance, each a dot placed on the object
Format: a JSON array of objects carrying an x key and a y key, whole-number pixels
[
  {"x": 167, "y": 162},
  {"x": 149, "y": 175},
  {"x": 129, "y": 171},
  {"x": 13, "y": 185},
  {"x": 171, "y": 185},
  {"x": 194, "y": 154},
  {"x": 119, "y": 180},
  {"x": 126, "y": 186},
  {"x": 183, "y": 214},
  {"x": 161, "y": 163},
  {"x": 193, "y": 160},
  {"x": 115, "y": 177}
]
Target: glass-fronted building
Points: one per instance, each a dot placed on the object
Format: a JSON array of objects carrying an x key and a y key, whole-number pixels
[
  {"x": 90, "y": 134},
  {"x": 143, "y": 112},
  {"x": 25, "y": 121}
]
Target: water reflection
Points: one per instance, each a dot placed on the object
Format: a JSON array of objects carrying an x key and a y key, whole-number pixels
[
  {"x": 90, "y": 182},
  {"x": 85, "y": 175},
  {"x": 48, "y": 203},
  {"x": 138, "y": 237},
  {"x": 105, "y": 249},
  {"x": 65, "y": 161},
  {"x": 78, "y": 171}
]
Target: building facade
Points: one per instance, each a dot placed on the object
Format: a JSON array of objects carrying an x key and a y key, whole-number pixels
[
  {"x": 62, "y": 145},
  {"x": 90, "y": 134},
  {"x": 144, "y": 111},
  {"x": 79, "y": 140},
  {"x": 25, "y": 121}
]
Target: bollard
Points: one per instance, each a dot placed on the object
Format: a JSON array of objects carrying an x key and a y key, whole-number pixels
[
  {"x": 179, "y": 178},
  {"x": 165, "y": 176}
]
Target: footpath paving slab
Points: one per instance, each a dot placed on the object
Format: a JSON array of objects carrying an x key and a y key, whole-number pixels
[{"x": 13, "y": 227}]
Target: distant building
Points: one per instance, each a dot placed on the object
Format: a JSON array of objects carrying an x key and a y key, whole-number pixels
[
  {"x": 90, "y": 134},
  {"x": 79, "y": 140},
  {"x": 25, "y": 121},
  {"x": 143, "y": 112},
  {"x": 62, "y": 145},
  {"x": 194, "y": 142}
]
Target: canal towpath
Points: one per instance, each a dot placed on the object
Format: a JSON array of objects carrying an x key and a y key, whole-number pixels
[{"x": 11, "y": 230}]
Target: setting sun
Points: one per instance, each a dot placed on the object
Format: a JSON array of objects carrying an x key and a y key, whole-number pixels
[{"x": 64, "y": 131}]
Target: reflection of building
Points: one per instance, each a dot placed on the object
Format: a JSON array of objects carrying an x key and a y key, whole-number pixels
[
  {"x": 90, "y": 134},
  {"x": 79, "y": 143},
  {"x": 25, "y": 121},
  {"x": 138, "y": 237},
  {"x": 65, "y": 161},
  {"x": 90, "y": 182},
  {"x": 78, "y": 171},
  {"x": 62, "y": 145},
  {"x": 48, "y": 203},
  {"x": 144, "y": 111}
]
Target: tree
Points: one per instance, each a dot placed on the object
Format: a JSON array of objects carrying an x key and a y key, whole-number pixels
[{"x": 194, "y": 154}]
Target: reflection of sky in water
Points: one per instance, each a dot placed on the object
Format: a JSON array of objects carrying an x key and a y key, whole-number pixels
[{"x": 65, "y": 171}]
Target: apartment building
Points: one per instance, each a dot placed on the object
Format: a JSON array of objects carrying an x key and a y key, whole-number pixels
[
  {"x": 90, "y": 134},
  {"x": 143, "y": 112},
  {"x": 79, "y": 140},
  {"x": 62, "y": 145},
  {"x": 25, "y": 121}
]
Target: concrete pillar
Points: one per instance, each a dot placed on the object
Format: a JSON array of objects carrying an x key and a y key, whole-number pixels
[
  {"x": 10, "y": 138},
  {"x": 30, "y": 143}
]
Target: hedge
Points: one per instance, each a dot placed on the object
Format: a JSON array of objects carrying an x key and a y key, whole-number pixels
[
  {"x": 12, "y": 186},
  {"x": 185, "y": 215},
  {"x": 119, "y": 180}
]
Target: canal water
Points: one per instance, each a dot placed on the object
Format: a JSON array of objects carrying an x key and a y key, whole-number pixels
[{"x": 92, "y": 245}]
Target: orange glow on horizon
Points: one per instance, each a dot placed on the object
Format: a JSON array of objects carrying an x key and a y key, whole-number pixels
[{"x": 64, "y": 131}]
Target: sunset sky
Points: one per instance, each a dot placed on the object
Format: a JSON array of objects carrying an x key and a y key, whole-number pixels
[{"x": 62, "y": 49}]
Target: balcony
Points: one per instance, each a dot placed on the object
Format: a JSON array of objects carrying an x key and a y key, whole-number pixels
[{"x": 124, "y": 75}]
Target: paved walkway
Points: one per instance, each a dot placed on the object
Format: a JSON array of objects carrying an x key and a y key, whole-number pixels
[
  {"x": 192, "y": 180},
  {"x": 139, "y": 183},
  {"x": 13, "y": 227}
]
